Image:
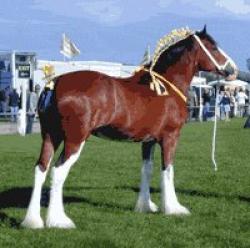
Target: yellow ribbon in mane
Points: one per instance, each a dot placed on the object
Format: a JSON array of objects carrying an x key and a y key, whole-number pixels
[{"x": 157, "y": 84}]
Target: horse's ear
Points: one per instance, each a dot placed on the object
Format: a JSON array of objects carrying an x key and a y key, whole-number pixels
[{"x": 204, "y": 31}]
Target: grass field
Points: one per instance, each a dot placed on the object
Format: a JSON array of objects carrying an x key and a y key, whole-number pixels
[{"x": 101, "y": 191}]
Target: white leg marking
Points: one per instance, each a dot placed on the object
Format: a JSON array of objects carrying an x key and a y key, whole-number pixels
[
  {"x": 170, "y": 204},
  {"x": 33, "y": 218},
  {"x": 56, "y": 216},
  {"x": 144, "y": 203}
]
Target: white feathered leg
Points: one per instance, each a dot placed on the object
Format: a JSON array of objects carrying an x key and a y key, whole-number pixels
[
  {"x": 144, "y": 203},
  {"x": 170, "y": 204},
  {"x": 56, "y": 216},
  {"x": 33, "y": 218}
]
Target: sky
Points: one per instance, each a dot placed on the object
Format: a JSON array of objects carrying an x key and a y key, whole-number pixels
[{"x": 120, "y": 30}]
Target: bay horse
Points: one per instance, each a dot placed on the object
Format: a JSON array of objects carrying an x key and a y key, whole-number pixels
[{"x": 148, "y": 107}]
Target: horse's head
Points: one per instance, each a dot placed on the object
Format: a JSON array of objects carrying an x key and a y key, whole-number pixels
[{"x": 212, "y": 58}]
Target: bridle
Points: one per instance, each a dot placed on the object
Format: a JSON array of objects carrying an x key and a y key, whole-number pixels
[{"x": 211, "y": 57}]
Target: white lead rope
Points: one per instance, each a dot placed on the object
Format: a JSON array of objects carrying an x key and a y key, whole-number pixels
[
  {"x": 220, "y": 68},
  {"x": 215, "y": 130}
]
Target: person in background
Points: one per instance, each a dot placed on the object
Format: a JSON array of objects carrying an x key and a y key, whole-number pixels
[
  {"x": 241, "y": 99},
  {"x": 4, "y": 100},
  {"x": 232, "y": 104},
  {"x": 14, "y": 104},
  {"x": 32, "y": 100},
  {"x": 192, "y": 103},
  {"x": 220, "y": 105},
  {"x": 206, "y": 104},
  {"x": 225, "y": 102}
]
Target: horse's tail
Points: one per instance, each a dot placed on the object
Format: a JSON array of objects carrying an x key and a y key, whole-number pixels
[{"x": 49, "y": 117}]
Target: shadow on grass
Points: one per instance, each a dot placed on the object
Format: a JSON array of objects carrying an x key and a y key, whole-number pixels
[
  {"x": 191, "y": 192},
  {"x": 19, "y": 198}
]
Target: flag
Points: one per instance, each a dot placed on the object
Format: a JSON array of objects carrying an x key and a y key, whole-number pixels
[
  {"x": 146, "y": 57},
  {"x": 68, "y": 48}
]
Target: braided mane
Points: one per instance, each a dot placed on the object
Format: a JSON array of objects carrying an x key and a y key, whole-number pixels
[{"x": 168, "y": 41}]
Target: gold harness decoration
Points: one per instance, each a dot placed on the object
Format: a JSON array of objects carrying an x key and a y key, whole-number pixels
[
  {"x": 49, "y": 74},
  {"x": 163, "y": 45}
]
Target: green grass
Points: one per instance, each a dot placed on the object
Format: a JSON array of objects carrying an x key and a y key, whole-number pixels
[{"x": 101, "y": 191}]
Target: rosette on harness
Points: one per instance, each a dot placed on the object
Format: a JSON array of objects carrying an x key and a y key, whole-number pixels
[{"x": 45, "y": 98}]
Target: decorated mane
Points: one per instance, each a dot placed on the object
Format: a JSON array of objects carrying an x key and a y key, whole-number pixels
[
  {"x": 168, "y": 41},
  {"x": 158, "y": 82}
]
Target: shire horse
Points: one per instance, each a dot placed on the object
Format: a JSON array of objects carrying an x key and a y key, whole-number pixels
[{"x": 148, "y": 107}]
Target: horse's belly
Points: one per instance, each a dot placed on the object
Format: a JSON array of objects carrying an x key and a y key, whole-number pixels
[{"x": 113, "y": 133}]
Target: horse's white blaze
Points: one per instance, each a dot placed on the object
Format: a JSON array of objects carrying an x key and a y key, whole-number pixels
[
  {"x": 144, "y": 203},
  {"x": 56, "y": 216},
  {"x": 170, "y": 204},
  {"x": 33, "y": 218}
]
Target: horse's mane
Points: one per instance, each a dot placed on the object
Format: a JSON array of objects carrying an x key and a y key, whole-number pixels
[
  {"x": 168, "y": 50},
  {"x": 169, "y": 41}
]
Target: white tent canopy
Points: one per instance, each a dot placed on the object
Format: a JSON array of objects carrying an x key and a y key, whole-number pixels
[
  {"x": 234, "y": 83},
  {"x": 197, "y": 81},
  {"x": 203, "y": 86}
]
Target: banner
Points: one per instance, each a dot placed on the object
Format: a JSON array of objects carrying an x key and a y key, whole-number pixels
[
  {"x": 146, "y": 57},
  {"x": 68, "y": 48}
]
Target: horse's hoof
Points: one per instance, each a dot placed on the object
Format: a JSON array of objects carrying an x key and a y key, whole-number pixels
[
  {"x": 146, "y": 206},
  {"x": 177, "y": 209},
  {"x": 60, "y": 222},
  {"x": 33, "y": 223}
]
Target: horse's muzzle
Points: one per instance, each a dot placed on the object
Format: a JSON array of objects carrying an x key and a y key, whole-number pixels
[{"x": 230, "y": 72}]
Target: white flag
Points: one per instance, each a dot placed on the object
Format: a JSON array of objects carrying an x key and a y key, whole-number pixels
[
  {"x": 146, "y": 57},
  {"x": 68, "y": 48}
]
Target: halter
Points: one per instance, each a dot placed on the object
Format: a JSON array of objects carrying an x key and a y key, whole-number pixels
[{"x": 211, "y": 57}]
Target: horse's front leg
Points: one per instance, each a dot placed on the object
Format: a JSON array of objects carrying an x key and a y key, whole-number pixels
[
  {"x": 144, "y": 203},
  {"x": 170, "y": 203}
]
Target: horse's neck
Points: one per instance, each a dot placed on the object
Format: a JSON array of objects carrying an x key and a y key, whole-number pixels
[{"x": 182, "y": 72}]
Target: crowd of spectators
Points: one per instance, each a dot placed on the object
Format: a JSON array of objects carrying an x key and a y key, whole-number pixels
[
  {"x": 231, "y": 103},
  {"x": 10, "y": 103}
]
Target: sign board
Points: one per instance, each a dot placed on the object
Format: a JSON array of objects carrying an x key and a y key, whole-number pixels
[{"x": 23, "y": 71}]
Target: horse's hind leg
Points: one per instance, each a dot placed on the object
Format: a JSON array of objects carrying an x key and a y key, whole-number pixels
[
  {"x": 144, "y": 203},
  {"x": 33, "y": 218},
  {"x": 56, "y": 216}
]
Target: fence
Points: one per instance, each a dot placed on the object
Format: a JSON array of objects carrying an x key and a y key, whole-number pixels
[{"x": 196, "y": 113}]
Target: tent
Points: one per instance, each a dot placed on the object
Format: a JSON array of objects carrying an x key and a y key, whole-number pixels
[
  {"x": 197, "y": 81},
  {"x": 233, "y": 83}
]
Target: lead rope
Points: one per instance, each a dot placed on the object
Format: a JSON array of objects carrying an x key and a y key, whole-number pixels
[{"x": 215, "y": 130}]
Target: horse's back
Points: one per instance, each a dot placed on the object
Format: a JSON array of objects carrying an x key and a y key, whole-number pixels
[{"x": 79, "y": 81}]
